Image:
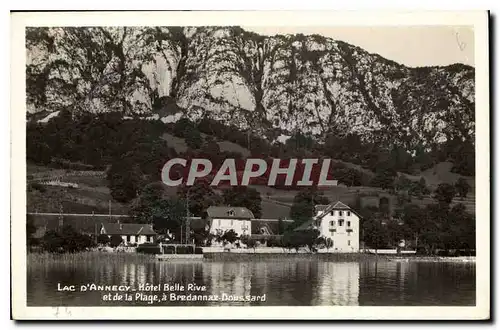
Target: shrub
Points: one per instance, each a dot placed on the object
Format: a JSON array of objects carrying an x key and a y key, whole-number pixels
[
  {"x": 115, "y": 241},
  {"x": 103, "y": 239},
  {"x": 274, "y": 242},
  {"x": 168, "y": 249},
  {"x": 68, "y": 240},
  {"x": 148, "y": 249},
  {"x": 185, "y": 250}
]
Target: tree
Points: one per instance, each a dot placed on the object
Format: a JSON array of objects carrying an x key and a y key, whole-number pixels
[
  {"x": 423, "y": 158},
  {"x": 374, "y": 234},
  {"x": 229, "y": 236},
  {"x": 302, "y": 208},
  {"x": 384, "y": 179},
  {"x": 400, "y": 159},
  {"x": 414, "y": 218},
  {"x": 419, "y": 189},
  {"x": 297, "y": 239},
  {"x": 154, "y": 207},
  {"x": 193, "y": 138},
  {"x": 123, "y": 180},
  {"x": 182, "y": 127},
  {"x": 52, "y": 241},
  {"x": 348, "y": 176},
  {"x": 168, "y": 215},
  {"x": 291, "y": 240},
  {"x": 212, "y": 150},
  {"x": 74, "y": 241},
  {"x": 200, "y": 236},
  {"x": 403, "y": 183},
  {"x": 248, "y": 241},
  {"x": 444, "y": 193},
  {"x": 67, "y": 240},
  {"x": 462, "y": 187},
  {"x": 245, "y": 197},
  {"x": 115, "y": 241},
  {"x": 200, "y": 195}
]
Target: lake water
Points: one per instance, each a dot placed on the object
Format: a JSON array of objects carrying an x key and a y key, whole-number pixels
[{"x": 278, "y": 283}]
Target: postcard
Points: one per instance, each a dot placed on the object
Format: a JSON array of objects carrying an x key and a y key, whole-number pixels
[{"x": 250, "y": 165}]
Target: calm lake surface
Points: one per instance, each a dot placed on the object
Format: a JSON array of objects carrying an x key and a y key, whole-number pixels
[{"x": 279, "y": 283}]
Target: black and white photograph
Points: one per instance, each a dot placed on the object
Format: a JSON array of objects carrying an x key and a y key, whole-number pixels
[{"x": 281, "y": 160}]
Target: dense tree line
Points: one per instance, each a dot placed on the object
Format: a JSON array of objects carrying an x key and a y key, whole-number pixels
[{"x": 435, "y": 226}]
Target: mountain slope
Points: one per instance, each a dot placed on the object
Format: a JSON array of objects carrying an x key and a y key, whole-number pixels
[{"x": 271, "y": 85}]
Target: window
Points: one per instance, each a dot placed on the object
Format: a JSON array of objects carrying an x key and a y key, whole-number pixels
[
  {"x": 333, "y": 230},
  {"x": 332, "y": 223},
  {"x": 219, "y": 222},
  {"x": 348, "y": 213},
  {"x": 232, "y": 221},
  {"x": 231, "y": 213},
  {"x": 341, "y": 223},
  {"x": 348, "y": 233},
  {"x": 349, "y": 242},
  {"x": 348, "y": 224},
  {"x": 128, "y": 238},
  {"x": 340, "y": 213},
  {"x": 332, "y": 213}
]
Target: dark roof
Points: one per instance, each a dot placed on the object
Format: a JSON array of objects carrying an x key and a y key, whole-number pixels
[
  {"x": 128, "y": 229},
  {"x": 229, "y": 212},
  {"x": 82, "y": 224}
]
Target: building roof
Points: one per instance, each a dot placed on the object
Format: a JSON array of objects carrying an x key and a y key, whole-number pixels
[
  {"x": 230, "y": 212},
  {"x": 87, "y": 224},
  {"x": 128, "y": 229},
  {"x": 337, "y": 206},
  {"x": 324, "y": 209}
]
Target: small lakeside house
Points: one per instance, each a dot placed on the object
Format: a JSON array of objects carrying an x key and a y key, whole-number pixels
[
  {"x": 338, "y": 222},
  {"x": 225, "y": 218},
  {"x": 131, "y": 233}
]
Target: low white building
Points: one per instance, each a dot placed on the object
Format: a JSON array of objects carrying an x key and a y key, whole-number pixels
[
  {"x": 131, "y": 233},
  {"x": 225, "y": 218},
  {"x": 339, "y": 223}
]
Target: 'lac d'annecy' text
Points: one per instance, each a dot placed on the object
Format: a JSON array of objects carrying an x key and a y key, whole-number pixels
[{"x": 159, "y": 293}]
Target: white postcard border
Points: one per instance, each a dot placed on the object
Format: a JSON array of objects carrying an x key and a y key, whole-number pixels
[{"x": 477, "y": 19}]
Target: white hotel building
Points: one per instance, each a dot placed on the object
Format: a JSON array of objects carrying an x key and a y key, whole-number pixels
[{"x": 338, "y": 222}]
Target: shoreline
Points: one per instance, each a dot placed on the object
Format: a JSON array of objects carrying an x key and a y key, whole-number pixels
[
  {"x": 35, "y": 258},
  {"x": 339, "y": 257}
]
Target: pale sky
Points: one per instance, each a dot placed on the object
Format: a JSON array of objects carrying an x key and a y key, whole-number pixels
[{"x": 409, "y": 45}]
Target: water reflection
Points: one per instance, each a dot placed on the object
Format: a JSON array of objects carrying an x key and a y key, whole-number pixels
[
  {"x": 417, "y": 283},
  {"x": 338, "y": 284},
  {"x": 284, "y": 283}
]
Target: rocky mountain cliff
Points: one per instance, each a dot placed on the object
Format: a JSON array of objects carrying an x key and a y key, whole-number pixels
[{"x": 282, "y": 83}]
